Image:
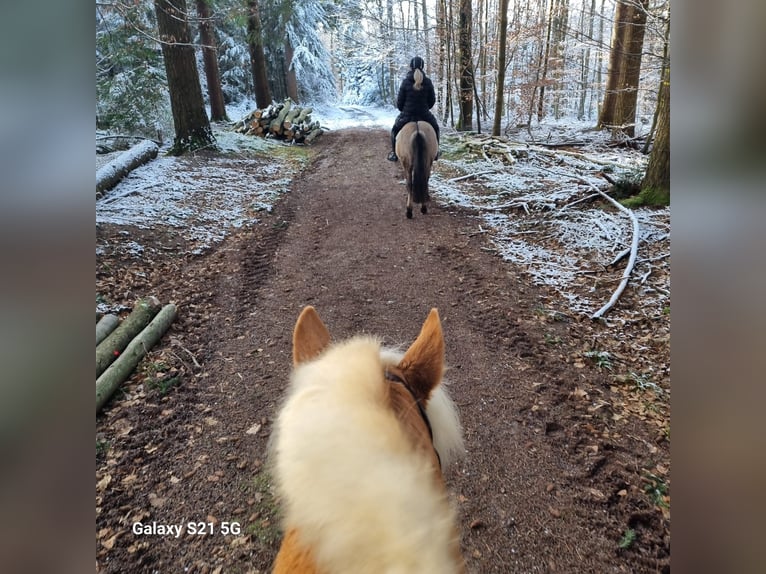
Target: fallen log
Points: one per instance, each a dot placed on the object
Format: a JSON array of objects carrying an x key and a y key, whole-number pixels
[
  {"x": 106, "y": 325},
  {"x": 304, "y": 115},
  {"x": 111, "y": 174},
  {"x": 113, "y": 377},
  {"x": 276, "y": 123},
  {"x": 315, "y": 133},
  {"x": 111, "y": 347}
]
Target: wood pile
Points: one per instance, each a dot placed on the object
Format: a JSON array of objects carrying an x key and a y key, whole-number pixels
[
  {"x": 120, "y": 346},
  {"x": 285, "y": 121}
]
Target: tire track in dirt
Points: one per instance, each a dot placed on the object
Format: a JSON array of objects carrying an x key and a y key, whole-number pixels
[{"x": 350, "y": 252}]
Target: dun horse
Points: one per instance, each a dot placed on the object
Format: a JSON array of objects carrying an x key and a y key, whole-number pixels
[
  {"x": 358, "y": 451},
  {"x": 416, "y": 148}
]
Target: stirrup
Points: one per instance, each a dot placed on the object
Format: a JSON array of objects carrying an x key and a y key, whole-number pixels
[{"x": 392, "y": 157}]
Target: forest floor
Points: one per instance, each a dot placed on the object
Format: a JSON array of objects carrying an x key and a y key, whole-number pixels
[{"x": 568, "y": 451}]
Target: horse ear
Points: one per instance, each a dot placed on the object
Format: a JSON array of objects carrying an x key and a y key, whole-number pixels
[
  {"x": 310, "y": 336},
  {"x": 423, "y": 363}
]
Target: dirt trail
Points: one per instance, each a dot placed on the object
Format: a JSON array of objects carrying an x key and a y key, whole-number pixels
[{"x": 547, "y": 484}]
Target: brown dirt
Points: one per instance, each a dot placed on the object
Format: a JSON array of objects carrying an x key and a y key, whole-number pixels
[{"x": 559, "y": 466}]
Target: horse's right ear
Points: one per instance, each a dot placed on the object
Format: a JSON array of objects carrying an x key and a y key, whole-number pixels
[
  {"x": 310, "y": 336},
  {"x": 423, "y": 363}
]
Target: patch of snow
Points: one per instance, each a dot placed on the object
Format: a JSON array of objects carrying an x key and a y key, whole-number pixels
[
  {"x": 123, "y": 160},
  {"x": 202, "y": 196},
  {"x": 134, "y": 248},
  {"x": 524, "y": 206},
  {"x": 339, "y": 116}
]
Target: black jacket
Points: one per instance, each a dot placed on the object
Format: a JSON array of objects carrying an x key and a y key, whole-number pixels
[{"x": 414, "y": 104}]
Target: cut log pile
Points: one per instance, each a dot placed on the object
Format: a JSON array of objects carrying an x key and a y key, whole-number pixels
[
  {"x": 285, "y": 121},
  {"x": 125, "y": 344}
]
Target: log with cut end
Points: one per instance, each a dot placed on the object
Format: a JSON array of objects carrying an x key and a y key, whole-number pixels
[
  {"x": 111, "y": 174},
  {"x": 113, "y": 377},
  {"x": 285, "y": 121},
  {"x": 114, "y": 344},
  {"x": 106, "y": 325},
  {"x": 313, "y": 135}
]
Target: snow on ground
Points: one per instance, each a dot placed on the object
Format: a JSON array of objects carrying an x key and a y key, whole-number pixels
[
  {"x": 528, "y": 208},
  {"x": 202, "y": 197},
  {"x": 332, "y": 116},
  {"x": 339, "y": 116}
]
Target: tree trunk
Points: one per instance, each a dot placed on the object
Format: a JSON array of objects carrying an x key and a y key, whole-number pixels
[
  {"x": 606, "y": 116},
  {"x": 465, "y": 23},
  {"x": 115, "y": 343},
  {"x": 546, "y": 58},
  {"x": 110, "y": 175},
  {"x": 500, "y": 67},
  {"x": 585, "y": 66},
  {"x": 657, "y": 176},
  {"x": 290, "y": 79},
  {"x": 257, "y": 57},
  {"x": 665, "y": 64},
  {"x": 113, "y": 377},
  {"x": 189, "y": 118},
  {"x": 424, "y": 10},
  {"x": 628, "y": 86},
  {"x": 558, "y": 54},
  {"x": 619, "y": 109},
  {"x": 106, "y": 325},
  {"x": 210, "y": 61}
]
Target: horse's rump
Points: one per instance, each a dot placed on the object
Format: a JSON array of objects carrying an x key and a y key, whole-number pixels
[{"x": 416, "y": 147}]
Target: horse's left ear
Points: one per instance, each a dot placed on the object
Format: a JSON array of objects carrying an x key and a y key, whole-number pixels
[
  {"x": 423, "y": 363},
  {"x": 310, "y": 336}
]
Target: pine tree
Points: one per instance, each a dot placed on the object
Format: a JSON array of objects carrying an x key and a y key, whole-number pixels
[{"x": 189, "y": 118}]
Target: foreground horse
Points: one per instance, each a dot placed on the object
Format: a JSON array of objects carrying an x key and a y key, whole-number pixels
[
  {"x": 358, "y": 451},
  {"x": 416, "y": 148}
]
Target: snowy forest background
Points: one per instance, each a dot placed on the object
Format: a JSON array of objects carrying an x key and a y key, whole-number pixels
[{"x": 552, "y": 65}]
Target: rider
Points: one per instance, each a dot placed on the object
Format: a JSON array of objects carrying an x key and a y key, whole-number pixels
[{"x": 416, "y": 97}]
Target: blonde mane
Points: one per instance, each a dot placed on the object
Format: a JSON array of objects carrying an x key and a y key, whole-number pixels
[{"x": 339, "y": 445}]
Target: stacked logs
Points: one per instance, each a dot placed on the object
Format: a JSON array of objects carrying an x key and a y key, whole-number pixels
[
  {"x": 285, "y": 121},
  {"x": 120, "y": 346}
]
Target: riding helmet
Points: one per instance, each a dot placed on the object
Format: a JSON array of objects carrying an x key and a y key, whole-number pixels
[{"x": 417, "y": 63}]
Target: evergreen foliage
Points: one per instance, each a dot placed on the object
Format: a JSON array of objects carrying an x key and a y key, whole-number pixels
[{"x": 131, "y": 88}]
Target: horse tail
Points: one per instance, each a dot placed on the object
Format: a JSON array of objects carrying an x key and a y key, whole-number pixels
[
  {"x": 420, "y": 171},
  {"x": 418, "y": 75}
]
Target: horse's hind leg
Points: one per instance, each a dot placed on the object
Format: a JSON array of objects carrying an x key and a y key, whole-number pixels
[{"x": 409, "y": 205}]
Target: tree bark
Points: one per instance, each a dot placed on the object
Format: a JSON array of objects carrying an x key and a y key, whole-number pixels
[
  {"x": 501, "y": 67},
  {"x": 189, "y": 117},
  {"x": 658, "y": 169},
  {"x": 113, "y": 377},
  {"x": 210, "y": 61},
  {"x": 618, "y": 111},
  {"x": 110, "y": 175},
  {"x": 544, "y": 63},
  {"x": 106, "y": 325},
  {"x": 257, "y": 56},
  {"x": 108, "y": 350},
  {"x": 290, "y": 79},
  {"x": 665, "y": 64},
  {"x": 465, "y": 23}
]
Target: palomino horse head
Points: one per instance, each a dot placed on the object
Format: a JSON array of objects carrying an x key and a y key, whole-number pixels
[
  {"x": 358, "y": 449},
  {"x": 416, "y": 148}
]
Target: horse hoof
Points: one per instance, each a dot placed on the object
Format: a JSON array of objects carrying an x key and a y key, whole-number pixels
[
  {"x": 409, "y": 213},
  {"x": 423, "y": 209}
]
